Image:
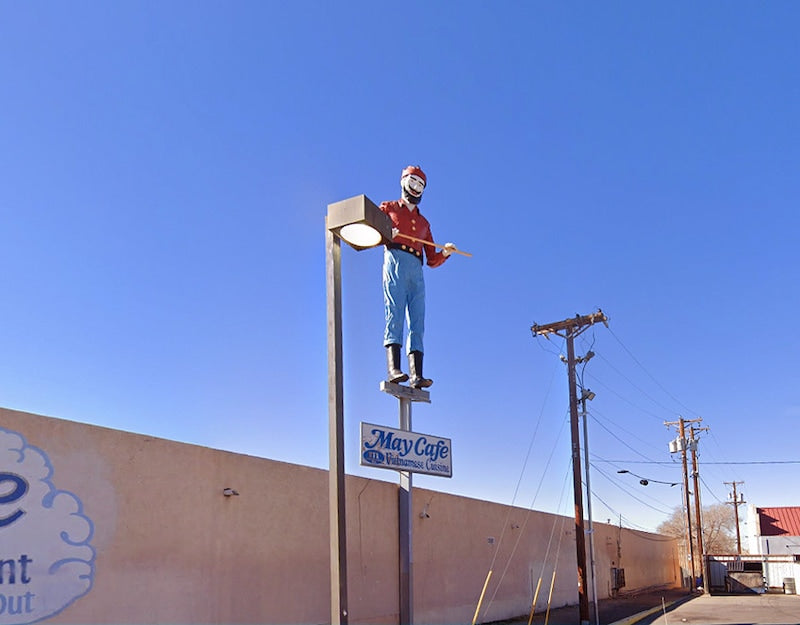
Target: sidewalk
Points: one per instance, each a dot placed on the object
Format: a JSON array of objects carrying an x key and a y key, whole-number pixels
[
  {"x": 765, "y": 609},
  {"x": 626, "y": 609}
]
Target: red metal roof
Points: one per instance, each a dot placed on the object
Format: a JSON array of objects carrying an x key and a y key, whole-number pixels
[{"x": 779, "y": 521}]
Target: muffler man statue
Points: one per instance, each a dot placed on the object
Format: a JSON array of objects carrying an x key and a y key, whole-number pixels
[{"x": 403, "y": 282}]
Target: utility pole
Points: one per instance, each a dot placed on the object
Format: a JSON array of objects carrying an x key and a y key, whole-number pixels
[
  {"x": 736, "y": 503},
  {"x": 697, "y": 507},
  {"x": 681, "y": 446},
  {"x": 569, "y": 329}
]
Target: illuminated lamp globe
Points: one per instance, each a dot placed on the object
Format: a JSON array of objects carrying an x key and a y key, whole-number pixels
[{"x": 361, "y": 235}]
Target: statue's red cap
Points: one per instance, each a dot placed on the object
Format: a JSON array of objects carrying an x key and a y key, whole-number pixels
[{"x": 413, "y": 170}]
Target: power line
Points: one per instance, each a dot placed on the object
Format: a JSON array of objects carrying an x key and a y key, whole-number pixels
[
  {"x": 625, "y": 399},
  {"x": 672, "y": 397},
  {"x": 643, "y": 392},
  {"x": 621, "y": 516},
  {"x": 642, "y": 529},
  {"x": 767, "y": 462},
  {"x": 644, "y": 481},
  {"x": 709, "y": 452},
  {"x": 627, "y": 492},
  {"x": 633, "y": 449},
  {"x": 722, "y": 448},
  {"x": 595, "y": 412},
  {"x": 757, "y": 462},
  {"x": 708, "y": 488}
]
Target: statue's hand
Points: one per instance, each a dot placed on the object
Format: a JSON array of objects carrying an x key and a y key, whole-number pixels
[
  {"x": 395, "y": 232},
  {"x": 448, "y": 249}
]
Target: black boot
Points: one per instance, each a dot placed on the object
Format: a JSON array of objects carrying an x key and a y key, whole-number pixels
[
  {"x": 393, "y": 364},
  {"x": 415, "y": 367}
]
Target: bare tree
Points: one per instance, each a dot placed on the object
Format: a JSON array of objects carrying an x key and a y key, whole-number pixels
[{"x": 719, "y": 528}]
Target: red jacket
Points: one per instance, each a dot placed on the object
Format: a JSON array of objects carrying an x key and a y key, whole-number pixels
[{"x": 411, "y": 222}]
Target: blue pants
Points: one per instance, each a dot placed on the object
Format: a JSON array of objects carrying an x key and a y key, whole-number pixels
[{"x": 403, "y": 298}]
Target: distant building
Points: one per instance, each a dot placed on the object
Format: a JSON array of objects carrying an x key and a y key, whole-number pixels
[
  {"x": 775, "y": 531},
  {"x": 775, "y": 536}
]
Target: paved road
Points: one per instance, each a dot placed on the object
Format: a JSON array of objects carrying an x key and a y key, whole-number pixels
[
  {"x": 624, "y": 609},
  {"x": 767, "y": 609},
  {"x": 648, "y": 608}
]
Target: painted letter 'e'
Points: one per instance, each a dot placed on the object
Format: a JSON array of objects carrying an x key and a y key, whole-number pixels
[{"x": 17, "y": 492}]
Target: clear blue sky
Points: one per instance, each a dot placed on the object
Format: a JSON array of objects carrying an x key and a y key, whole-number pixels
[{"x": 166, "y": 169}]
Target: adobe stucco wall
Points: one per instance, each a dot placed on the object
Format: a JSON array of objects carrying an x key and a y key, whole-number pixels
[{"x": 100, "y": 526}]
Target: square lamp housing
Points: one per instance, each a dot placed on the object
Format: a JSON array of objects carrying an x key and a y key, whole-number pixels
[{"x": 359, "y": 222}]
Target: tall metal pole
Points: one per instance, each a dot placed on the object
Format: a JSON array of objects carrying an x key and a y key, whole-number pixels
[
  {"x": 406, "y": 395},
  {"x": 375, "y": 228},
  {"x": 589, "y": 511},
  {"x": 580, "y": 536},
  {"x": 336, "y": 475},
  {"x": 406, "y": 525}
]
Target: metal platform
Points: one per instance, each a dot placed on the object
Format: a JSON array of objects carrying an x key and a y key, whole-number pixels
[{"x": 405, "y": 392}]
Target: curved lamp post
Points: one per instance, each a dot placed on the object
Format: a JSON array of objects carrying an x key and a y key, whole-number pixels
[{"x": 362, "y": 225}]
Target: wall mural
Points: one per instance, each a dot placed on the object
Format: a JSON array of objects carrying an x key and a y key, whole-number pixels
[{"x": 46, "y": 556}]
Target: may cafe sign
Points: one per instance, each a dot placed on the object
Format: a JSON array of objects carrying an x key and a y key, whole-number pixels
[{"x": 388, "y": 448}]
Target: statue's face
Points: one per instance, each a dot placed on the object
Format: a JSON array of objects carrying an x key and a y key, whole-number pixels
[{"x": 412, "y": 186}]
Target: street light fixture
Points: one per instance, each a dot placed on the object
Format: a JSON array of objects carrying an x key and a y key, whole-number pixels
[
  {"x": 644, "y": 481},
  {"x": 361, "y": 224}
]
